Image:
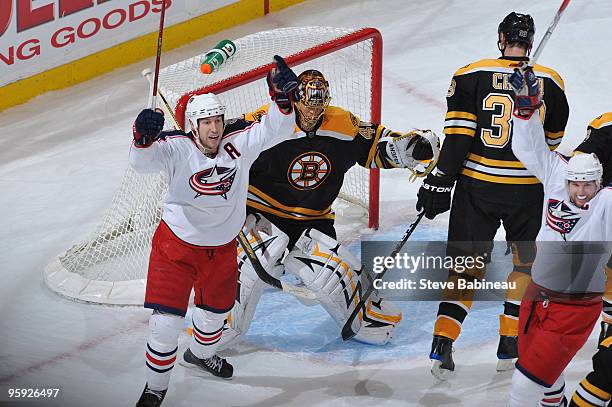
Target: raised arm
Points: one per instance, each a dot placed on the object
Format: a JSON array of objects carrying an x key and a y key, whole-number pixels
[
  {"x": 279, "y": 124},
  {"x": 528, "y": 140},
  {"x": 529, "y": 146}
]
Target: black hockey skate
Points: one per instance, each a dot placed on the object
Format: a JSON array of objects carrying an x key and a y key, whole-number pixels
[
  {"x": 606, "y": 331},
  {"x": 151, "y": 398},
  {"x": 214, "y": 365},
  {"x": 442, "y": 356},
  {"x": 507, "y": 351}
]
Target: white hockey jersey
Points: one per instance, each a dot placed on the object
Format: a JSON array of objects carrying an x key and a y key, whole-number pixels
[
  {"x": 588, "y": 230},
  {"x": 205, "y": 204}
]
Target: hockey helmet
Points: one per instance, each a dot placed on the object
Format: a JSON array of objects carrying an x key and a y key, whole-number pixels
[
  {"x": 584, "y": 167},
  {"x": 315, "y": 98},
  {"x": 516, "y": 27},
  {"x": 201, "y": 107}
]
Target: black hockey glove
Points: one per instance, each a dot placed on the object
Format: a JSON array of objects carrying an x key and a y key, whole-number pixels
[
  {"x": 147, "y": 127},
  {"x": 527, "y": 94},
  {"x": 434, "y": 196},
  {"x": 283, "y": 85}
]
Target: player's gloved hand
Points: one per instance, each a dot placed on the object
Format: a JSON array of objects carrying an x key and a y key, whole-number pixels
[
  {"x": 147, "y": 127},
  {"x": 434, "y": 196},
  {"x": 283, "y": 85},
  {"x": 527, "y": 92}
]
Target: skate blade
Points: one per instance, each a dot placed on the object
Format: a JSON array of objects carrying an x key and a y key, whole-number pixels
[
  {"x": 504, "y": 365},
  {"x": 201, "y": 372},
  {"x": 439, "y": 373}
]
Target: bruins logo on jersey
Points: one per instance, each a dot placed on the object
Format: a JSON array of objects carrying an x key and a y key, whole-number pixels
[
  {"x": 451, "y": 89},
  {"x": 308, "y": 170}
]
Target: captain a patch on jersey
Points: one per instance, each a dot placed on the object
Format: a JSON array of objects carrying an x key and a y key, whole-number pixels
[{"x": 213, "y": 181}]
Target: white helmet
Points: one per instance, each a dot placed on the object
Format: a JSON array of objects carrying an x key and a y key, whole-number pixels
[
  {"x": 584, "y": 167},
  {"x": 201, "y": 107}
]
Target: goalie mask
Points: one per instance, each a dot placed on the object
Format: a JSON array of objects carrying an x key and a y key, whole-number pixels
[{"x": 314, "y": 90}]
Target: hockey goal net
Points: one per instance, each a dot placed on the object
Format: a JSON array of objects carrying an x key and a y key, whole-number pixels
[{"x": 111, "y": 266}]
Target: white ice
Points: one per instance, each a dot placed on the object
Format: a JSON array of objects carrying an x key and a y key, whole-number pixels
[{"x": 62, "y": 157}]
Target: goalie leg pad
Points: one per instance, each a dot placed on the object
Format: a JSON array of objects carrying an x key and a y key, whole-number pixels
[
  {"x": 269, "y": 244},
  {"x": 334, "y": 274}
]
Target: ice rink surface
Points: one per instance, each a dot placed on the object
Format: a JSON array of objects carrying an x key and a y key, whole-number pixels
[{"x": 63, "y": 154}]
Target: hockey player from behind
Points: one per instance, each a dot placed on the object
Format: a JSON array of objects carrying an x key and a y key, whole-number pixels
[
  {"x": 599, "y": 142},
  {"x": 563, "y": 302},
  {"x": 194, "y": 246},
  {"x": 492, "y": 186},
  {"x": 292, "y": 187}
]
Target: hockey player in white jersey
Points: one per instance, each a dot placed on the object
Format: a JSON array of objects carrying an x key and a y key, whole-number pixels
[
  {"x": 194, "y": 246},
  {"x": 563, "y": 302}
]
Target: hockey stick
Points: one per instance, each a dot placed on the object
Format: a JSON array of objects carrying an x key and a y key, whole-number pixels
[
  {"x": 163, "y": 103},
  {"x": 347, "y": 329},
  {"x": 160, "y": 37},
  {"x": 301, "y": 292},
  {"x": 551, "y": 28}
]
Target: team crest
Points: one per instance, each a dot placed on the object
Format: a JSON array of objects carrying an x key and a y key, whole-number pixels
[
  {"x": 213, "y": 181},
  {"x": 308, "y": 170},
  {"x": 560, "y": 217}
]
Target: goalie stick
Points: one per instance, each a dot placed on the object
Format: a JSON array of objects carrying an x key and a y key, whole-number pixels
[
  {"x": 264, "y": 276},
  {"x": 347, "y": 329},
  {"x": 549, "y": 31}
]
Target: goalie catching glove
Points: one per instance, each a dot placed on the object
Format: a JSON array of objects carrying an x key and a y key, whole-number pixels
[
  {"x": 417, "y": 150},
  {"x": 147, "y": 127},
  {"x": 527, "y": 94},
  {"x": 283, "y": 85}
]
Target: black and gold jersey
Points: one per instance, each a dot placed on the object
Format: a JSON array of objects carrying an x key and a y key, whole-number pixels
[
  {"x": 299, "y": 179},
  {"x": 478, "y": 124},
  {"x": 599, "y": 141},
  {"x": 596, "y": 388}
]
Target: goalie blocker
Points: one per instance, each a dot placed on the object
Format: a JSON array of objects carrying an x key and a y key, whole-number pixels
[{"x": 323, "y": 266}]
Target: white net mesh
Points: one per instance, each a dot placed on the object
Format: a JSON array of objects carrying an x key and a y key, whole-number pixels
[{"x": 110, "y": 268}]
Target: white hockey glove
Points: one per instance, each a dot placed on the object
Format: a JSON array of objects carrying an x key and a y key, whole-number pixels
[
  {"x": 417, "y": 150},
  {"x": 269, "y": 246},
  {"x": 333, "y": 273}
]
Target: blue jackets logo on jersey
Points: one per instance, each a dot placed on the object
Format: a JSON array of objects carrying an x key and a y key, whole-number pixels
[
  {"x": 213, "y": 181},
  {"x": 308, "y": 170},
  {"x": 559, "y": 217}
]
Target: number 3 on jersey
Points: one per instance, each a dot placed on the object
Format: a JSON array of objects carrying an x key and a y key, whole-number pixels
[{"x": 501, "y": 125}]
